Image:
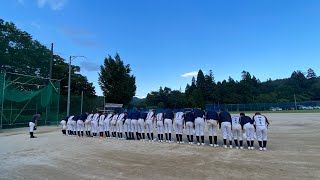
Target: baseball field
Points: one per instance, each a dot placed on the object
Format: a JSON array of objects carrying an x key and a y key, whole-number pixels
[{"x": 293, "y": 153}]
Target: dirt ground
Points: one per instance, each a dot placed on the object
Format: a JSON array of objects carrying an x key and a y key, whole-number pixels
[{"x": 293, "y": 153}]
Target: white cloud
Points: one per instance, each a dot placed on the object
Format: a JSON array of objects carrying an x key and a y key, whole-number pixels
[
  {"x": 190, "y": 74},
  {"x": 54, "y": 4}
]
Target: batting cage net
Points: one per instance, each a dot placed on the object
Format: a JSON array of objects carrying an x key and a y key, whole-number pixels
[{"x": 22, "y": 96}]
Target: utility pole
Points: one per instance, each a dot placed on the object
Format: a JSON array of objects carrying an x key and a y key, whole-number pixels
[
  {"x": 69, "y": 82},
  {"x": 81, "y": 101},
  {"x": 50, "y": 77}
]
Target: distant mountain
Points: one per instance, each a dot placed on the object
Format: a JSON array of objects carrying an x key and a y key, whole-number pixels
[{"x": 136, "y": 99}]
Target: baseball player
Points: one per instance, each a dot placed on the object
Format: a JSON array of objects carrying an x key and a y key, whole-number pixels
[
  {"x": 247, "y": 125},
  {"x": 261, "y": 124},
  {"x": 168, "y": 119},
  {"x": 149, "y": 124},
  {"x": 74, "y": 125},
  {"x": 94, "y": 124},
  {"x": 69, "y": 126},
  {"x": 101, "y": 124},
  {"x": 121, "y": 119},
  {"x": 199, "y": 125},
  {"x": 189, "y": 120},
  {"x": 87, "y": 124},
  {"x": 134, "y": 123},
  {"x": 141, "y": 125},
  {"x": 33, "y": 124},
  {"x": 212, "y": 119},
  {"x": 160, "y": 126},
  {"x": 64, "y": 125},
  {"x": 225, "y": 123},
  {"x": 80, "y": 123},
  {"x": 178, "y": 126},
  {"x": 106, "y": 124},
  {"x": 129, "y": 133},
  {"x": 114, "y": 125},
  {"x": 237, "y": 132}
]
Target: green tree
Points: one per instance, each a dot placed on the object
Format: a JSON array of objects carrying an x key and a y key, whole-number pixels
[
  {"x": 311, "y": 74},
  {"x": 115, "y": 80}
]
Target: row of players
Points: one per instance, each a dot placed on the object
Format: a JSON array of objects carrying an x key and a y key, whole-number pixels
[{"x": 233, "y": 128}]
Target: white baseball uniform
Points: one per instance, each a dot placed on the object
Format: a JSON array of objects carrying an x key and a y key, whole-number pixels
[
  {"x": 149, "y": 122},
  {"x": 134, "y": 125},
  {"x": 189, "y": 128},
  {"x": 69, "y": 123},
  {"x": 178, "y": 120},
  {"x": 140, "y": 125},
  {"x": 260, "y": 122},
  {"x": 114, "y": 123},
  {"x": 167, "y": 125},
  {"x": 249, "y": 130},
  {"x": 73, "y": 125},
  {"x": 128, "y": 125},
  {"x": 80, "y": 125},
  {"x": 120, "y": 123},
  {"x": 212, "y": 127},
  {"x": 160, "y": 124},
  {"x": 236, "y": 128},
  {"x": 101, "y": 123},
  {"x": 63, "y": 124},
  {"x": 106, "y": 122}
]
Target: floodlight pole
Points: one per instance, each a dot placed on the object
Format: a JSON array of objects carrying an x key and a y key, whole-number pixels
[{"x": 69, "y": 82}]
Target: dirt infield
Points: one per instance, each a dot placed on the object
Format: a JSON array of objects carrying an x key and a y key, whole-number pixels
[{"x": 293, "y": 153}]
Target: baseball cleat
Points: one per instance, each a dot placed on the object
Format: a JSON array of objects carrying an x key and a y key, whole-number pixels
[
  {"x": 264, "y": 149},
  {"x": 170, "y": 142},
  {"x": 203, "y": 144},
  {"x": 249, "y": 147},
  {"x": 230, "y": 147},
  {"x": 260, "y": 148},
  {"x": 225, "y": 146},
  {"x": 237, "y": 147},
  {"x": 182, "y": 142},
  {"x": 149, "y": 140},
  {"x": 198, "y": 144},
  {"x": 252, "y": 147},
  {"x": 167, "y": 141},
  {"x": 211, "y": 145},
  {"x": 241, "y": 147},
  {"x": 178, "y": 142}
]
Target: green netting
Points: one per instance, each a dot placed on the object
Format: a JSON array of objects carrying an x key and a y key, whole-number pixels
[{"x": 22, "y": 96}]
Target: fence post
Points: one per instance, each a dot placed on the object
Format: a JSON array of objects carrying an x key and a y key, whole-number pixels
[{"x": 2, "y": 101}]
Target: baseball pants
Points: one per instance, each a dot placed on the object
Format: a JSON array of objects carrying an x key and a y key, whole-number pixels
[
  {"x": 160, "y": 127},
  {"x": 249, "y": 129},
  {"x": 167, "y": 125},
  {"x": 101, "y": 127},
  {"x": 119, "y": 126},
  {"x": 237, "y": 132},
  {"x": 141, "y": 126},
  {"x": 73, "y": 125},
  {"x": 189, "y": 128},
  {"x": 199, "y": 125},
  {"x": 69, "y": 125},
  {"x": 113, "y": 126},
  {"x": 178, "y": 126},
  {"x": 262, "y": 133},
  {"x": 212, "y": 127},
  {"x": 63, "y": 123},
  {"x": 80, "y": 125},
  {"x": 226, "y": 130},
  {"x": 128, "y": 125},
  {"x": 134, "y": 125},
  {"x": 149, "y": 126},
  {"x": 87, "y": 125},
  {"x": 106, "y": 124},
  {"x": 31, "y": 126},
  {"x": 94, "y": 127}
]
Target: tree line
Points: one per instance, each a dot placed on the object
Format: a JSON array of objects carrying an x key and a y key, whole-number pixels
[{"x": 205, "y": 90}]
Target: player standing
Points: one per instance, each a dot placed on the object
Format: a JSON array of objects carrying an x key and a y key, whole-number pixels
[
  {"x": 169, "y": 115},
  {"x": 225, "y": 123},
  {"x": 212, "y": 118},
  {"x": 199, "y": 125},
  {"x": 160, "y": 126},
  {"x": 80, "y": 123},
  {"x": 247, "y": 125},
  {"x": 114, "y": 125},
  {"x": 122, "y": 117},
  {"x": 33, "y": 124},
  {"x": 261, "y": 123},
  {"x": 69, "y": 126},
  {"x": 141, "y": 125},
  {"x": 237, "y": 132},
  {"x": 106, "y": 124},
  {"x": 74, "y": 125},
  {"x": 94, "y": 124},
  {"x": 189, "y": 120},
  {"x": 149, "y": 125},
  {"x": 178, "y": 126}
]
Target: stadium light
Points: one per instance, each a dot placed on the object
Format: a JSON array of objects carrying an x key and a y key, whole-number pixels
[{"x": 69, "y": 82}]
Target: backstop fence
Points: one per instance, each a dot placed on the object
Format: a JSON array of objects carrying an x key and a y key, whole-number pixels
[{"x": 21, "y": 96}]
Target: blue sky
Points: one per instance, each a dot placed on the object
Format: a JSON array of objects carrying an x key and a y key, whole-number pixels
[{"x": 165, "y": 39}]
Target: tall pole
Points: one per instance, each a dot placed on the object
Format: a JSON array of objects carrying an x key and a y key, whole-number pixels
[
  {"x": 104, "y": 103},
  {"x": 295, "y": 101},
  {"x": 51, "y": 62},
  {"x": 2, "y": 100},
  {"x": 81, "y": 101},
  {"x": 69, "y": 82}
]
